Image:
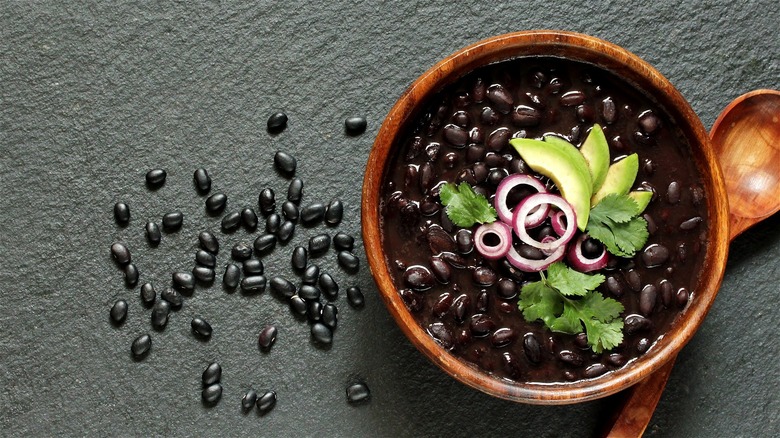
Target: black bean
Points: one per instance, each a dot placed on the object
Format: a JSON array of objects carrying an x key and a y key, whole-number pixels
[
  {"x": 649, "y": 122},
  {"x": 667, "y": 292},
  {"x": 212, "y": 374},
  {"x": 532, "y": 348},
  {"x": 427, "y": 177},
  {"x": 202, "y": 180},
  {"x": 155, "y": 178},
  {"x": 172, "y": 221},
  {"x": 241, "y": 251},
  {"x": 266, "y": 402},
  {"x": 481, "y": 325},
  {"x": 637, "y": 323},
  {"x": 328, "y": 286},
  {"x": 267, "y": 337},
  {"x": 594, "y": 370},
  {"x": 286, "y": 231},
  {"x": 413, "y": 300},
  {"x": 455, "y": 135},
  {"x": 205, "y": 258},
  {"x": 591, "y": 248},
  {"x": 334, "y": 212},
  {"x": 173, "y": 297},
  {"x": 442, "y": 305},
  {"x": 253, "y": 284},
  {"x": 489, "y": 116},
  {"x": 358, "y": 392},
  {"x": 682, "y": 297},
  {"x": 484, "y": 276},
  {"x": 498, "y": 139},
  {"x": 691, "y": 223},
  {"x": 216, "y": 203},
  {"x": 525, "y": 116},
  {"x": 211, "y": 394},
  {"x": 120, "y": 253},
  {"x": 121, "y": 213},
  {"x": 511, "y": 365},
  {"x": 282, "y": 287},
  {"x": 439, "y": 240},
  {"x": 655, "y": 255},
  {"x": 355, "y": 125},
  {"x": 581, "y": 340},
  {"x": 616, "y": 359},
  {"x": 608, "y": 110},
  {"x": 319, "y": 244},
  {"x": 455, "y": 260},
  {"x": 571, "y": 358},
  {"x": 232, "y": 276},
  {"x": 298, "y": 305},
  {"x": 131, "y": 275},
  {"x": 313, "y": 311},
  {"x": 183, "y": 280},
  {"x": 153, "y": 234},
  {"x": 614, "y": 286},
  {"x": 496, "y": 176},
  {"x": 203, "y": 274},
  {"x": 285, "y": 163},
  {"x": 529, "y": 252},
  {"x": 311, "y": 275},
  {"x": 266, "y": 201},
  {"x": 249, "y": 219},
  {"x": 160, "y": 313},
  {"x": 290, "y": 211},
  {"x": 441, "y": 270},
  {"x": 299, "y": 258},
  {"x": 651, "y": 227},
  {"x": 231, "y": 222},
  {"x": 248, "y": 400},
  {"x": 673, "y": 192},
  {"x": 277, "y": 122},
  {"x": 348, "y": 261},
  {"x": 355, "y": 297},
  {"x": 572, "y": 98},
  {"x": 295, "y": 190},
  {"x": 503, "y": 337},
  {"x": 432, "y": 151},
  {"x": 418, "y": 278},
  {"x": 272, "y": 223},
  {"x": 140, "y": 346},
  {"x": 506, "y": 288},
  {"x": 500, "y": 97},
  {"x": 642, "y": 345},
  {"x": 633, "y": 280},
  {"x": 118, "y": 311},
  {"x": 330, "y": 315},
  {"x": 264, "y": 243},
  {"x": 343, "y": 242},
  {"x": 309, "y": 292},
  {"x": 208, "y": 242},
  {"x": 148, "y": 294},
  {"x": 201, "y": 327},
  {"x": 253, "y": 267},
  {"x": 442, "y": 334},
  {"x": 321, "y": 333},
  {"x": 313, "y": 213},
  {"x": 465, "y": 241}
]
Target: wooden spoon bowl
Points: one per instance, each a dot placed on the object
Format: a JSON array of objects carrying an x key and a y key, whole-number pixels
[{"x": 610, "y": 57}]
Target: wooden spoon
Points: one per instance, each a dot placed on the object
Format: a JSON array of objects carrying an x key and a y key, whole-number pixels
[{"x": 746, "y": 138}]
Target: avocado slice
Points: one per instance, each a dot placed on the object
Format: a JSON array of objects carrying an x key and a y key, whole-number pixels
[
  {"x": 642, "y": 199},
  {"x": 620, "y": 178},
  {"x": 596, "y": 152},
  {"x": 563, "y": 163}
]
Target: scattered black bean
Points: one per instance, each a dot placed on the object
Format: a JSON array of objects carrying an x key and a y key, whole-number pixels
[
  {"x": 272, "y": 223},
  {"x": 131, "y": 275},
  {"x": 267, "y": 337},
  {"x": 358, "y": 392},
  {"x": 121, "y": 213},
  {"x": 140, "y": 346},
  {"x": 120, "y": 253},
  {"x": 173, "y": 297},
  {"x": 321, "y": 333},
  {"x": 334, "y": 212},
  {"x": 286, "y": 231},
  {"x": 343, "y": 242},
  {"x": 203, "y": 274},
  {"x": 266, "y": 201},
  {"x": 201, "y": 327},
  {"x": 241, "y": 251},
  {"x": 232, "y": 276},
  {"x": 172, "y": 221},
  {"x": 309, "y": 292},
  {"x": 313, "y": 311},
  {"x": 285, "y": 163},
  {"x": 153, "y": 234},
  {"x": 208, "y": 242},
  {"x": 212, "y": 374},
  {"x": 160, "y": 313},
  {"x": 264, "y": 243},
  {"x": 290, "y": 211},
  {"x": 148, "y": 294},
  {"x": 313, "y": 213},
  {"x": 231, "y": 221},
  {"x": 248, "y": 400},
  {"x": 330, "y": 315},
  {"x": 355, "y": 297},
  {"x": 202, "y": 180},
  {"x": 319, "y": 244},
  {"x": 266, "y": 402},
  {"x": 348, "y": 261},
  {"x": 299, "y": 258},
  {"x": 282, "y": 287},
  {"x": 212, "y": 393},
  {"x": 277, "y": 122},
  {"x": 311, "y": 275},
  {"x": 118, "y": 311},
  {"x": 249, "y": 219},
  {"x": 253, "y": 284},
  {"x": 205, "y": 258},
  {"x": 253, "y": 267},
  {"x": 216, "y": 203},
  {"x": 183, "y": 280},
  {"x": 355, "y": 125},
  {"x": 295, "y": 190},
  {"x": 155, "y": 178},
  {"x": 298, "y": 305}
]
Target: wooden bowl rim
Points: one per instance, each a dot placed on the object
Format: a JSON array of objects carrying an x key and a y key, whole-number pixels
[{"x": 607, "y": 55}]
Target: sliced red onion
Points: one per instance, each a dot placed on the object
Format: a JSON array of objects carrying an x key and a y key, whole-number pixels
[
  {"x": 530, "y": 265},
  {"x": 500, "y": 230},
  {"x": 556, "y": 220},
  {"x": 522, "y": 211},
  {"x": 583, "y": 264},
  {"x": 506, "y": 186}
]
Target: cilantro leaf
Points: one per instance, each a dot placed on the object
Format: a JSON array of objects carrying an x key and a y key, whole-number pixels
[
  {"x": 568, "y": 322},
  {"x": 570, "y": 282},
  {"x": 539, "y": 301},
  {"x": 465, "y": 207},
  {"x": 615, "y": 223}
]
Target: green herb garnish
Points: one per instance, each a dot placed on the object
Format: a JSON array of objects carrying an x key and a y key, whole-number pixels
[
  {"x": 614, "y": 222},
  {"x": 465, "y": 207},
  {"x": 566, "y": 301}
]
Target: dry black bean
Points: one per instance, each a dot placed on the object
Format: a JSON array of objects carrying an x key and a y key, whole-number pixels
[
  {"x": 183, "y": 280},
  {"x": 148, "y": 294},
  {"x": 253, "y": 267},
  {"x": 212, "y": 374},
  {"x": 441, "y": 270},
  {"x": 330, "y": 315},
  {"x": 637, "y": 323},
  {"x": 309, "y": 292},
  {"x": 442, "y": 334},
  {"x": 231, "y": 221},
  {"x": 286, "y": 231},
  {"x": 571, "y": 358},
  {"x": 118, "y": 311},
  {"x": 267, "y": 337},
  {"x": 208, "y": 242},
  {"x": 211, "y": 394},
  {"x": 299, "y": 258},
  {"x": 160, "y": 313},
  {"x": 173, "y": 297},
  {"x": 272, "y": 223},
  {"x": 290, "y": 211},
  {"x": 264, "y": 243},
  {"x": 201, "y": 327},
  {"x": 313, "y": 213},
  {"x": 503, "y": 337},
  {"x": 121, "y": 213},
  {"x": 418, "y": 278},
  {"x": 282, "y": 287},
  {"x": 484, "y": 276},
  {"x": 329, "y": 286},
  {"x": 311, "y": 275},
  {"x": 248, "y": 400},
  {"x": 172, "y": 221},
  {"x": 204, "y": 274},
  {"x": 266, "y": 402},
  {"x": 348, "y": 261},
  {"x": 120, "y": 253},
  {"x": 343, "y": 242},
  {"x": 232, "y": 276},
  {"x": 253, "y": 284},
  {"x": 216, "y": 203},
  {"x": 155, "y": 178},
  {"x": 319, "y": 244},
  {"x": 241, "y": 251},
  {"x": 202, "y": 180},
  {"x": 298, "y": 305},
  {"x": 321, "y": 333},
  {"x": 334, "y": 212},
  {"x": 358, "y": 392},
  {"x": 295, "y": 190},
  {"x": 355, "y": 125},
  {"x": 277, "y": 122},
  {"x": 314, "y": 311},
  {"x": 355, "y": 297},
  {"x": 531, "y": 347},
  {"x": 205, "y": 258},
  {"x": 141, "y": 346},
  {"x": 153, "y": 234},
  {"x": 249, "y": 219},
  {"x": 655, "y": 255},
  {"x": 266, "y": 201},
  {"x": 285, "y": 163},
  {"x": 131, "y": 275}
]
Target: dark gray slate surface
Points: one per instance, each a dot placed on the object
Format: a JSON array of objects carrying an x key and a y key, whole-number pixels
[{"x": 93, "y": 95}]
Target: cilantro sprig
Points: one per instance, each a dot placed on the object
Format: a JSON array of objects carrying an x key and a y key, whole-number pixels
[
  {"x": 614, "y": 222},
  {"x": 466, "y": 207},
  {"x": 566, "y": 301}
]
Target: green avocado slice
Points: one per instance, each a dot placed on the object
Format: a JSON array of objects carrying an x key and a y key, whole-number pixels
[
  {"x": 642, "y": 199},
  {"x": 620, "y": 177},
  {"x": 595, "y": 149}
]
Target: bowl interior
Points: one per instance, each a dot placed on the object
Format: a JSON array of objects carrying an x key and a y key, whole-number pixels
[{"x": 610, "y": 57}]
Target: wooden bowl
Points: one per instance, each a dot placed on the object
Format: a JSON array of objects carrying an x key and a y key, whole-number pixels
[{"x": 642, "y": 75}]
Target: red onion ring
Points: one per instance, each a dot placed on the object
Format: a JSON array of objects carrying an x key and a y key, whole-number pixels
[
  {"x": 506, "y": 186},
  {"x": 531, "y": 202},
  {"x": 504, "y": 234},
  {"x": 556, "y": 220},
  {"x": 583, "y": 264},
  {"x": 529, "y": 265}
]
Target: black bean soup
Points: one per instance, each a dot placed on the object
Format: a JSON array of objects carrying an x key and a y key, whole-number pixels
[{"x": 468, "y": 304}]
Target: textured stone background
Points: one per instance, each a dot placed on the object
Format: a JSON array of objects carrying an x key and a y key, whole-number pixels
[{"x": 92, "y": 95}]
